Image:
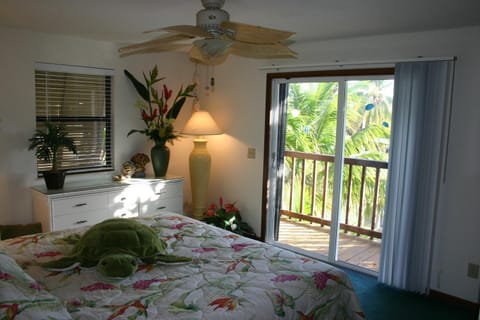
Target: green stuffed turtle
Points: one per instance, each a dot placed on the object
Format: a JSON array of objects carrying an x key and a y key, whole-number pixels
[{"x": 115, "y": 246}]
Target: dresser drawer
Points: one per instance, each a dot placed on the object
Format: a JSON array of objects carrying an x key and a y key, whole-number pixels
[
  {"x": 166, "y": 190},
  {"x": 78, "y": 204},
  {"x": 172, "y": 204},
  {"x": 78, "y": 220}
]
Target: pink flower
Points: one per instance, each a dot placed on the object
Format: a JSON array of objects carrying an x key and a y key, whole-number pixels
[
  {"x": 179, "y": 225},
  {"x": 229, "y": 207},
  {"x": 286, "y": 277},
  {"x": 147, "y": 117},
  {"x": 202, "y": 250},
  {"x": 240, "y": 246},
  {"x": 321, "y": 278},
  {"x": 145, "y": 284},
  {"x": 213, "y": 207},
  {"x": 75, "y": 303},
  {"x": 5, "y": 276},
  {"x": 210, "y": 213},
  {"x": 35, "y": 286},
  {"x": 98, "y": 286},
  {"x": 221, "y": 202}
]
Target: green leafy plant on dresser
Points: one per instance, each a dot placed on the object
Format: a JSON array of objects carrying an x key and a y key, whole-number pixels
[{"x": 48, "y": 144}]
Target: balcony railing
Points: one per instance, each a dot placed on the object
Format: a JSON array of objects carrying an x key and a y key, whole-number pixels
[{"x": 308, "y": 185}]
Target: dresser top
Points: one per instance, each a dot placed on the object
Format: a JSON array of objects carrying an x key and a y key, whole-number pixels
[{"x": 97, "y": 184}]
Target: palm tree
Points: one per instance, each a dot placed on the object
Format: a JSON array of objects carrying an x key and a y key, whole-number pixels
[
  {"x": 311, "y": 127},
  {"x": 312, "y": 114},
  {"x": 50, "y": 142}
]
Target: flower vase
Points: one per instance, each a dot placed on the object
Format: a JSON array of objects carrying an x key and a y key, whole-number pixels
[{"x": 160, "y": 155}]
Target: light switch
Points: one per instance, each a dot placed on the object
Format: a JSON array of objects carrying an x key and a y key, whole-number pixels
[
  {"x": 473, "y": 270},
  {"x": 251, "y": 153}
]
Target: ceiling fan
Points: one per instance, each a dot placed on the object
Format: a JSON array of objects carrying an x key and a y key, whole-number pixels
[{"x": 215, "y": 37}]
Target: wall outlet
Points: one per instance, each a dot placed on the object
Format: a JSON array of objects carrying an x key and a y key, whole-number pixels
[
  {"x": 251, "y": 153},
  {"x": 473, "y": 270}
]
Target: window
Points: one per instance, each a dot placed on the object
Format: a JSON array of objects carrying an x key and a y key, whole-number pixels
[{"x": 80, "y": 99}]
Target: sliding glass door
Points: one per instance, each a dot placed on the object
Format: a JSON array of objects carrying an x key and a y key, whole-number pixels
[{"x": 328, "y": 145}]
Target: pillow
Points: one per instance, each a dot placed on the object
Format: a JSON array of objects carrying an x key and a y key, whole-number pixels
[{"x": 22, "y": 296}]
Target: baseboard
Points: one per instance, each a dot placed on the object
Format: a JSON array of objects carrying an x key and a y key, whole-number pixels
[{"x": 454, "y": 300}]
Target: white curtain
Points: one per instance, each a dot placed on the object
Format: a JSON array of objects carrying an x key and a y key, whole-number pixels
[{"x": 420, "y": 124}]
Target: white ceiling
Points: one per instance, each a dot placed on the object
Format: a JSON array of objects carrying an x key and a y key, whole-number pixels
[{"x": 123, "y": 21}]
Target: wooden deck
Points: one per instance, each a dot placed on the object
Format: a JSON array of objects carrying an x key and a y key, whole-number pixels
[{"x": 312, "y": 237}]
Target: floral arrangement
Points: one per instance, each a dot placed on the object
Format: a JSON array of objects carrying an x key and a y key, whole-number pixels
[
  {"x": 158, "y": 112},
  {"x": 227, "y": 217}
]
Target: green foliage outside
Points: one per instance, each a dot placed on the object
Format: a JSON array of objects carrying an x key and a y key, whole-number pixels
[{"x": 311, "y": 128}]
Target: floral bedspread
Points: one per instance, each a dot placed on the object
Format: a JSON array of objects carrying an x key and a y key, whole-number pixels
[{"x": 230, "y": 277}]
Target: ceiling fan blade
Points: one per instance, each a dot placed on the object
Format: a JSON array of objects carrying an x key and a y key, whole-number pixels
[
  {"x": 254, "y": 34},
  {"x": 192, "y": 31},
  {"x": 197, "y": 55},
  {"x": 262, "y": 51},
  {"x": 158, "y": 48},
  {"x": 157, "y": 42}
]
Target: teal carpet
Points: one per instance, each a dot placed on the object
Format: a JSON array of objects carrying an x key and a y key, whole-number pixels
[{"x": 380, "y": 302}]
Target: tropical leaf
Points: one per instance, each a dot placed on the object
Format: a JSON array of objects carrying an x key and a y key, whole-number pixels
[
  {"x": 175, "y": 109},
  {"x": 141, "y": 89},
  {"x": 135, "y": 130}
]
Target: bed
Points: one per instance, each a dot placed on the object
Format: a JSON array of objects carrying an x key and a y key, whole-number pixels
[{"x": 230, "y": 277}]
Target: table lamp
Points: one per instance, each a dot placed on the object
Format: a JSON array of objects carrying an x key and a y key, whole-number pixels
[{"x": 200, "y": 124}]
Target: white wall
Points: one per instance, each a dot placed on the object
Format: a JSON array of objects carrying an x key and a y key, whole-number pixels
[
  {"x": 20, "y": 51},
  {"x": 238, "y": 105}
]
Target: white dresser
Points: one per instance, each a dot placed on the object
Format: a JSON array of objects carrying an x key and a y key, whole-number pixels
[{"x": 87, "y": 203}]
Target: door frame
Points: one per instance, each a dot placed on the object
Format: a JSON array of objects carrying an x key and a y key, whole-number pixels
[{"x": 271, "y": 115}]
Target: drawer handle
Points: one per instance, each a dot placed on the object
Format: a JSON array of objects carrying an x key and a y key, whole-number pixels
[
  {"x": 123, "y": 215},
  {"x": 81, "y": 222},
  {"x": 80, "y": 204},
  {"x": 162, "y": 207},
  {"x": 123, "y": 199},
  {"x": 160, "y": 193}
]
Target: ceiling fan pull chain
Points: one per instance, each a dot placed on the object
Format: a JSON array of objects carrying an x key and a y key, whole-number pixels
[
  {"x": 196, "y": 80},
  {"x": 212, "y": 78}
]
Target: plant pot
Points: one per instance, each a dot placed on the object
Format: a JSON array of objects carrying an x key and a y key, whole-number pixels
[
  {"x": 54, "y": 179},
  {"x": 160, "y": 155}
]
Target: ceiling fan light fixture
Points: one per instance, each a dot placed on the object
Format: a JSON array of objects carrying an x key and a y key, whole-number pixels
[
  {"x": 213, "y": 47},
  {"x": 198, "y": 56}
]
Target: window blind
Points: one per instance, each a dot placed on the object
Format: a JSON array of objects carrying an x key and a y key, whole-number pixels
[{"x": 79, "y": 99}]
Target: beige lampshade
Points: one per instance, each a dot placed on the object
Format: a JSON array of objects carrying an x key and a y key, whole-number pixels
[{"x": 201, "y": 123}]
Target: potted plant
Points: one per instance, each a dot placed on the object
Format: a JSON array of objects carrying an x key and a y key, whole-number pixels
[
  {"x": 48, "y": 144},
  {"x": 158, "y": 111},
  {"x": 228, "y": 217}
]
